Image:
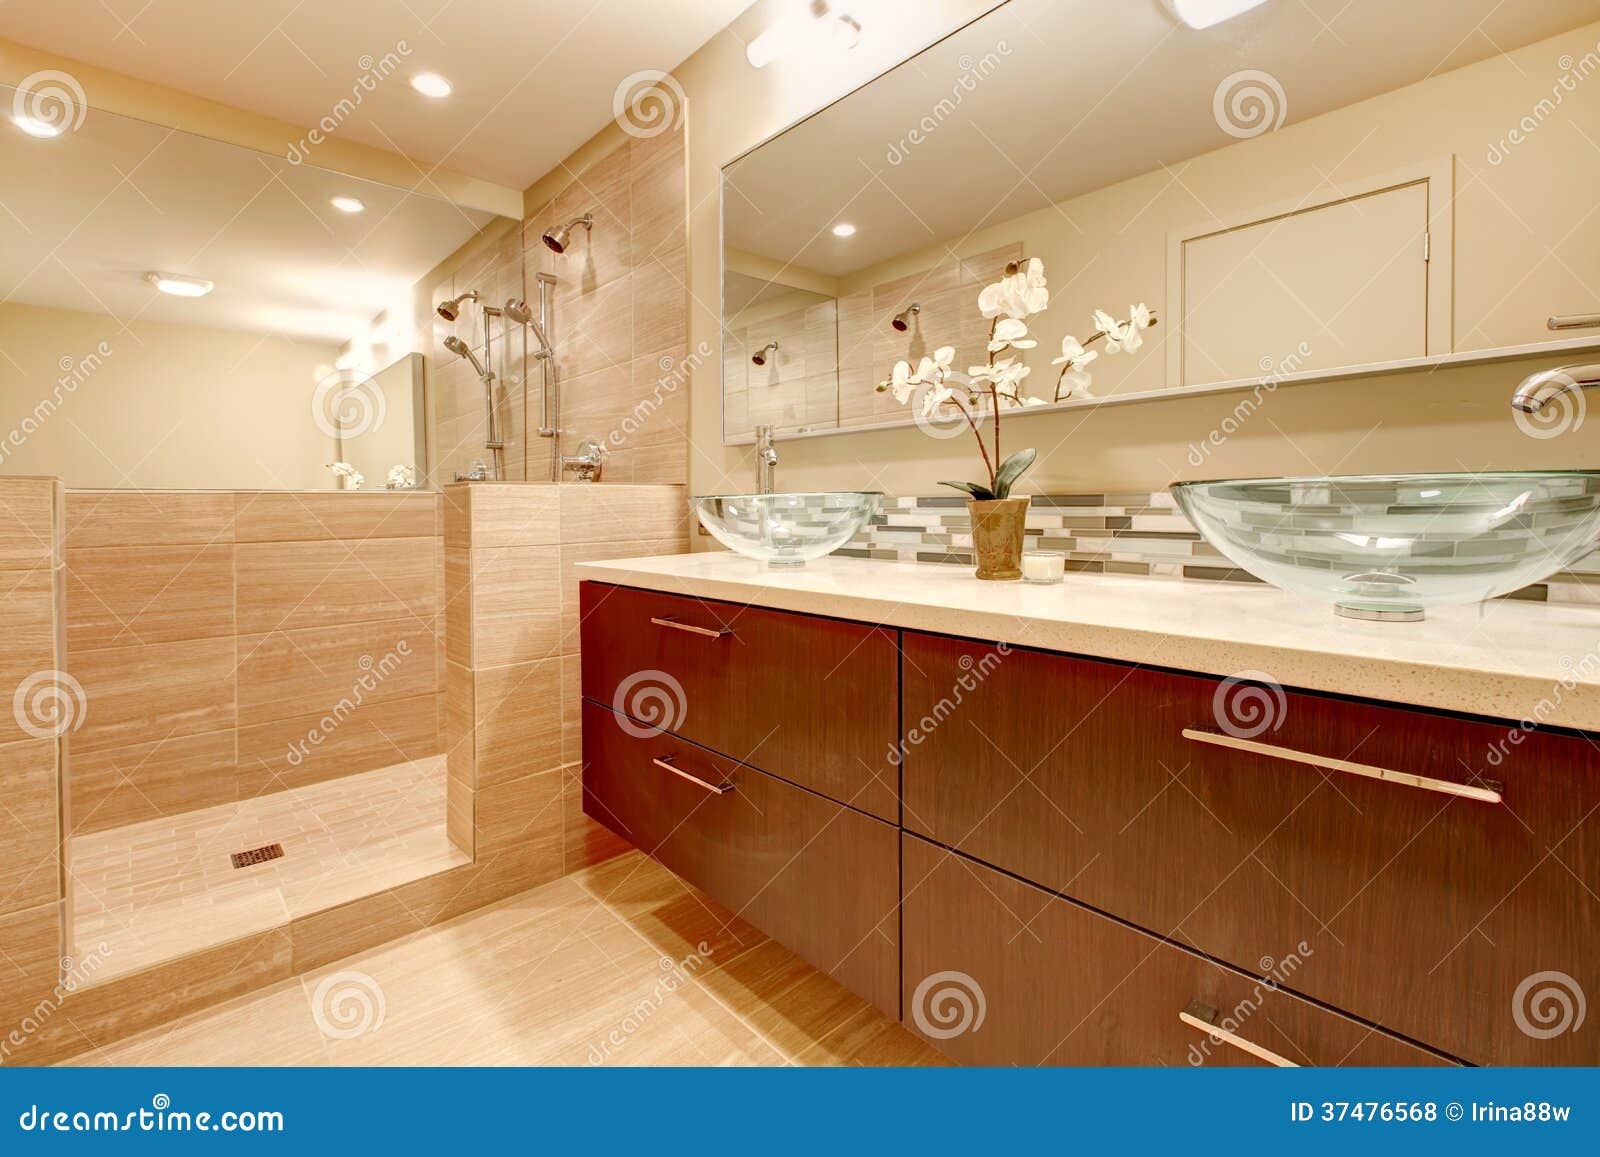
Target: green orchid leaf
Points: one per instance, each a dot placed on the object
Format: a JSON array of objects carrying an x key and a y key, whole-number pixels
[
  {"x": 981, "y": 493},
  {"x": 1012, "y": 469}
]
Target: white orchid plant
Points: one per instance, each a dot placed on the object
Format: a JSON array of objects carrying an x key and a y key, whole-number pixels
[
  {"x": 401, "y": 477},
  {"x": 353, "y": 479},
  {"x": 997, "y": 383}
]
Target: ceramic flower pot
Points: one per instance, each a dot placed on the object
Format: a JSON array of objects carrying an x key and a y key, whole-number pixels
[{"x": 997, "y": 536}]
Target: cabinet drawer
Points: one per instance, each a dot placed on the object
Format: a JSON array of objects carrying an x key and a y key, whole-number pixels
[
  {"x": 811, "y": 700},
  {"x": 815, "y": 876},
  {"x": 1425, "y": 912},
  {"x": 1058, "y": 984}
]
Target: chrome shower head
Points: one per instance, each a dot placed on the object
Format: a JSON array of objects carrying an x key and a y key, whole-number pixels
[
  {"x": 902, "y": 320},
  {"x": 458, "y": 347},
  {"x": 760, "y": 357},
  {"x": 517, "y": 311},
  {"x": 558, "y": 237},
  {"x": 450, "y": 310}
]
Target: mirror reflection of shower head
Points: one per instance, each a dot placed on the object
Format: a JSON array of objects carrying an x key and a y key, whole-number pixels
[
  {"x": 458, "y": 347},
  {"x": 450, "y": 310},
  {"x": 902, "y": 320},
  {"x": 558, "y": 237},
  {"x": 760, "y": 357},
  {"x": 517, "y": 310}
]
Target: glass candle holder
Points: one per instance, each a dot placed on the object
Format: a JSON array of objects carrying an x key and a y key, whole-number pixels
[{"x": 1043, "y": 566}]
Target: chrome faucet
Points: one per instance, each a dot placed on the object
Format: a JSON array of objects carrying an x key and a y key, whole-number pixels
[
  {"x": 1536, "y": 391},
  {"x": 766, "y": 460}
]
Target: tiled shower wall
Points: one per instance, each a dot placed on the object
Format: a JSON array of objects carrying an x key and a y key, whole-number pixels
[
  {"x": 619, "y": 326},
  {"x": 511, "y": 643},
  {"x": 1138, "y": 534},
  {"x": 215, "y": 633},
  {"x": 30, "y": 818}
]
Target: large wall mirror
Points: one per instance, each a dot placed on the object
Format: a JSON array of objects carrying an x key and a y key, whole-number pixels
[
  {"x": 1308, "y": 191},
  {"x": 288, "y": 340}
]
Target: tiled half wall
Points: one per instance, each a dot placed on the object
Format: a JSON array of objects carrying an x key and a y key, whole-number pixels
[
  {"x": 1139, "y": 534},
  {"x": 215, "y": 633}
]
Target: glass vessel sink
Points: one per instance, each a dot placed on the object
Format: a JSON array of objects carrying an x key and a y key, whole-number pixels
[
  {"x": 1390, "y": 546},
  {"x": 785, "y": 529}
]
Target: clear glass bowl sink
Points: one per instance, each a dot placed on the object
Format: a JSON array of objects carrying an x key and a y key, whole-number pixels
[
  {"x": 1390, "y": 546},
  {"x": 785, "y": 529}
]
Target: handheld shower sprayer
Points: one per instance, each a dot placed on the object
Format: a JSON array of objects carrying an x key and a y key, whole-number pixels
[
  {"x": 517, "y": 310},
  {"x": 460, "y": 348}
]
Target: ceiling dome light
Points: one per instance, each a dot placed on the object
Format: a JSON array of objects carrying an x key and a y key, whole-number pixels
[
  {"x": 844, "y": 229},
  {"x": 35, "y": 127},
  {"x": 431, "y": 84},
  {"x": 802, "y": 31},
  {"x": 348, "y": 204},
  {"x": 1205, "y": 13},
  {"x": 178, "y": 285}
]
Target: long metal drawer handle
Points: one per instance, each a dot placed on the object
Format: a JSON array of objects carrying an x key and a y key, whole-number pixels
[
  {"x": 1465, "y": 791},
  {"x": 691, "y": 628},
  {"x": 665, "y": 764},
  {"x": 1574, "y": 321},
  {"x": 1202, "y": 1016}
]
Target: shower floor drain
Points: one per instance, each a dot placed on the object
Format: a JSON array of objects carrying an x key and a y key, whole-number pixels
[{"x": 257, "y": 855}]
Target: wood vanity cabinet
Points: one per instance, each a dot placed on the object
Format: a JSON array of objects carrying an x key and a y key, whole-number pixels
[
  {"x": 1085, "y": 841},
  {"x": 1422, "y": 911},
  {"x": 814, "y": 701}
]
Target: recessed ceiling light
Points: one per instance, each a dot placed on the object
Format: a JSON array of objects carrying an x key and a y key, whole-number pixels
[
  {"x": 431, "y": 84},
  {"x": 348, "y": 204},
  {"x": 179, "y": 285},
  {"x": 1205, "y": 13},
  {"x": 844, "y": 229},
  {"x": 35, "y": 127},
  {"x": 802, "y": 31}
]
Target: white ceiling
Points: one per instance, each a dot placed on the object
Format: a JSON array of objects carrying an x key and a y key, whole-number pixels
[
  {"x": 102, "y": 206},
  {"x": 533, "y": 79},
  {"x": 1081, "y": 94}
]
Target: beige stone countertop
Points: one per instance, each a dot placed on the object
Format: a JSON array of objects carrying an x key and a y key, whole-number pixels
[{"x": 1506, "y": 659}]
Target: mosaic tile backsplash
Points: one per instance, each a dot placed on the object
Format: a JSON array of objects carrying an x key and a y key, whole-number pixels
[{"x": 1139, "y": 534}]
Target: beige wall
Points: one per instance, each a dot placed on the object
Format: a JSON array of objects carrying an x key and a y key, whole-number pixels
[
  {"x": 1452, "y": 420},
  {"x": 100, "y": 402}
]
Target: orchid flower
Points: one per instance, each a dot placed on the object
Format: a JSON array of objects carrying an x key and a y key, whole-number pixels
[
  {"x": 1016, "y": 295},
  {"x": 900, "y": 381},
  {"x": 353, "y": 478},
  {"x": 1013, "y": 332}
]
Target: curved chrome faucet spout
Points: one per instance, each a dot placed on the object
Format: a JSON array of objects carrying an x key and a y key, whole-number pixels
[{"x": 1536, "y": 391}]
